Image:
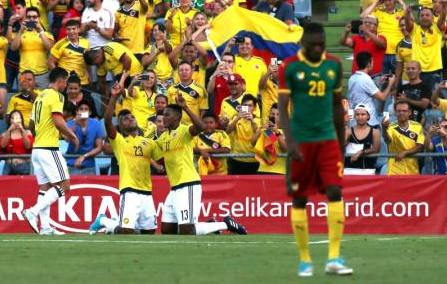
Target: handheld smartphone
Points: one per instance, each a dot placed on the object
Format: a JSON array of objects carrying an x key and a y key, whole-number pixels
[
  {"x": 30, "y": 25},
  {"x": 16, "y": 119},
  {"x": 386, "y": 115},
  {"x": 274, "y": 61},
  {"x": 355, "y": 25},
  {"x": 244, "y": 108},
  {"x": 239, "y": 39},
  {"x": 144, "y": 77},
  {"x": 417, "y": 8},
  {"x": 351, "y": 113},
  {"x": 84, "y": 114}
]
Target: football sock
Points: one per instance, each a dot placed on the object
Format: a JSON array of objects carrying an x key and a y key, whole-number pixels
[
  {"x": 109, "y": 224},
  {"x": 207, "y": 228},
  {"x": 44, "y": 214},
  {"x": 336, "y": 223},
  {"x": 49, "y": 198},
  {"x": 300, "y": 227}
]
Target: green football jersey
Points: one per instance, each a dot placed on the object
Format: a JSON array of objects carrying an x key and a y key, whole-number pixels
[{"x": 311, "y": 87}]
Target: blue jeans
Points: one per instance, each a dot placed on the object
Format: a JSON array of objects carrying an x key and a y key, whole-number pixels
[
  {"x": 432, "y": 78},
  {"x": 16, "y": 169},
  {"x": 389, "y": 64}
]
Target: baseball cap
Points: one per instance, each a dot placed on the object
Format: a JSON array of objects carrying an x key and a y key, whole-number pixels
[
  {"x": 364, "y": 107},
  {"x": 235, "y": 78}
]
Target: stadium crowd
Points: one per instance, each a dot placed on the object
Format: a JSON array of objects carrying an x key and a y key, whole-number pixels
[{"x": 156, "y": 50}]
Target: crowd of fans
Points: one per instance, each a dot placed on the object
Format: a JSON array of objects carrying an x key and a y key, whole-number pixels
[{"x": 155, "y": 50}]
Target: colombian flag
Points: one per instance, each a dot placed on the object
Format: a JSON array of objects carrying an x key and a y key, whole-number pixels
[
  {"x": 271, "y": 37},
  {"x": 265, "y": 151}
]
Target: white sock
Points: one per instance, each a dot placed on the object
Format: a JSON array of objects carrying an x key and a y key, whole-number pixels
[
  {"x": 49, "y": 198},
  {"x": 207, "y": 228},
  {"x": 110, "y": 224},
  {"x": 44, "y": 214}
]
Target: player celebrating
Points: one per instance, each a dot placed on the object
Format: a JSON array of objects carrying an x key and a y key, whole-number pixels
[
  {"x": 50, "y": 167},
  {"x": 134, "y": 153},
  {"x": 182, "y": 205},
  {"x": 312, "y": 80}
]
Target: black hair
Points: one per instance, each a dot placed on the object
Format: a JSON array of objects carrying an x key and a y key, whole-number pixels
[
  {"x": 71, "y": 4},
  {"x": 90, "y": 56},
  {"x": 71, "y": 23},
  {"x": 161, "y": 95},
  {"x": 73, "y": 78},
  {"x": 161, "y": 27},
  {"x": 209, "y": 115},
  {"x": 84, "y": 102},
  {"x": 185, "y": 62},
  {"x": 32, "y": 9},
  {"x": 229, "y": 54},
  {"x": 175, "y": 108},
  {"x": 363, "y": 59},
  {"x": 274, "y": 105},
  {"x": 20, "y": 2},
  {"x": 57, "y": 73},
  {"x": 313, "y": 28},
  {"x": 28, "y": 72},
  {"x": 122, "y": 113},
  {"x": 10, "y": 116},
  {"x": 249, "y": 97},
  {"x": 402, "y": 103}
]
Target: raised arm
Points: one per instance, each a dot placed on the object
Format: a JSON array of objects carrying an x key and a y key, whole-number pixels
[
  {"x": 197, "y": 124},
  {"x": 370, "y": 9},
  {"x": 117, "y": 89}
]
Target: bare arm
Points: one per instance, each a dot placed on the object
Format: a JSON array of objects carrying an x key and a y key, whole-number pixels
[
  {"x": 52, "y": 4},
  {"x": 435, "y": 96},
  {"x": 398, "y": 72},
  {"x": 144, "y": 6},
  {"x": 370, "y": 9},
  {"x": 52, "y": 61},
  {"x": 383, "y": 95},
  {"x": 59, "y": 122},
  {"x": 110, "y": 128},
  {"x": 409, "y": 19},
  {"x": 173, "y": 56},
  {"x": 16, "y": 41},
  {"x": 345, "y": 39},
  {"x": 376, "y": 143},
  {"x": 427, "y": 142},
  {"x": 386, "y": 136},
  {"x": 197, "y": 124},
  {"x": 255, "y": 137},
  {"x": 232, "y": 126}
]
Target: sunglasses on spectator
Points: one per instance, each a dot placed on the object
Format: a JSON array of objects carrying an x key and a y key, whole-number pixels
[{"x": 32, "y": 17}]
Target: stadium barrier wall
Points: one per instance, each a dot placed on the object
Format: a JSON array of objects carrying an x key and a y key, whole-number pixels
[{"x": 375, "y": 204}]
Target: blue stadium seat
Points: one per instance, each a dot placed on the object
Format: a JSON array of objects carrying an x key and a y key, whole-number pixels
[
  {"x": 3, "y": 126},
  {"x": 63, "y": 146},
  {"x": 103, "y": 163},
  {"x": 2, "y": 165},
  {"x": 303, "y": 8},
  {"x": 98, "y": 102}
]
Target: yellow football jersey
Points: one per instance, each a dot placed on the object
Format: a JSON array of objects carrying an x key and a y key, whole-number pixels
[
  {"x": 403, "y": 54},
  {"x": 389, "y": 27},
  {"x": 150, "y": 11},
  {"x": 178, "y": 24},
  {"x": 443, "y": 106},
  {"x": 33, "y": 55},
  {"x": 218, "y": 139},
  {"x": 177, "y": 146},
  {"x": 161, "y": 65},
  {"x": 426, "y": 3},
  {"x": 142, "y": 106},
  {"x": 404, "y": 140},
  {"x": 241, "y": 139},
  {"x": 112, "y": 53},
  {"x": 123, "y": 102},
  {"x": 230, "y": 108},
  {"x": 269, "y": 96},
  {"x": 195, "y": 95},
  {"x": 70, "y": 57},
  {"x": 198, "y": 75},
  {"x": 427, "y": 47},
  {"x": 134, "y": 156},
  {"x": 42, "y": 6},
  {"x": 49, "y": 102},
  {"x": 3, "y": 50},
  {"x": 251, "y": 70},
  {"x": 132, "y": 23},
  {"x": 23, "y": 104}
]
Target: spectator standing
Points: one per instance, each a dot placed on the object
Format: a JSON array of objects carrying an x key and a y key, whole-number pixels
[
  {"x": 130, "y": 24},
  {"x": 43, "y": 10},
  {"x": 417, "y": 93},
  {"x": 212, "y": 141},
  {"x": 241, "y": 129},
  {"x": 403, "y": 55},
  {"x": 59, "y": 9},
  {"x": 142, "y": 92},
  {"x": 363, "y": 90},
  {"x": 156, "y": 58},
  {"x": 16, "y": 140},
  {"x": 436, "y": 141},
  {"x": 268, "y": 89},
  {"x": 404, "y": 138},
  {"x": 361, "y": 140},
  {"x": 33, "y": 43},
  {"x": 177, "y": 19},
  {"x": 427, "y": 42},
  {"x": 160, "y": 103},
  {"x": 388, "y": 27},
  {"x": 75, "y": 9},
  {"x": 217, "y": 86},
  {"x": 68, "y": 52},
  {"x": 278, "y": 9},
  {"x": 366, "y": 40},
  {"x": 437, "y": 102},
  {"x": 97, "y": 23},
  {"x": 3, "y": 82},
  {"x": 90, "y": 136},
  {"x": 23, "y": 101},
  {"x": 194, "y": 94}
]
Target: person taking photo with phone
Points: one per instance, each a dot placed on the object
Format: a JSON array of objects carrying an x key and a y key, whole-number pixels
[
  {"x": 437, "y": 102},
  {"x": 436, "y": 142}
]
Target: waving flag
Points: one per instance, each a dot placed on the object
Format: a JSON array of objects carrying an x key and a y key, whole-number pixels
[{"x": 271, "y": 37}]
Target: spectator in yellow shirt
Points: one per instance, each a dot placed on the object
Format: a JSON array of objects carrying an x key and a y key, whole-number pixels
[
  {"x": 177, "y": 19},
  {"x": 142, "y": 91}
]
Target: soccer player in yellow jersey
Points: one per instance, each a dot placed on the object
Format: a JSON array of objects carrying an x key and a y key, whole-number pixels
[
  {"x": 49, "y": 165},
  {"x": 33, "y": 43},
  {"x": 405, "y": 137},
  {"x": 134, "y": 153},
  {"x": 130, "y": 22},
  {"x": 182, "y": 205},
  {"x": 68, "y": 52},
  {"x": 212, "y": 141},
  {"x": 195, "y": 95}
]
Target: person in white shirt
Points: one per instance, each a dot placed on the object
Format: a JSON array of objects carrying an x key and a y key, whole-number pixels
[{"x": 97, "y": 23}]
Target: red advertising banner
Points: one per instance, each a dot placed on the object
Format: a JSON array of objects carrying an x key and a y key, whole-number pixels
[{"x": 374, "y": 204}]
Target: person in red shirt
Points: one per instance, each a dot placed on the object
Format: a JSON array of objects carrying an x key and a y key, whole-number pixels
[
  {"x": 366, "y": 40},
  {"x": 16, "y": 140},
  {"x": 217, "y": 87},
  {"x": 75, "y": 8}
]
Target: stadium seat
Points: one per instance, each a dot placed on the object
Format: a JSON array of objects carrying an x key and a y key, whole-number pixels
[
  {"x": 98, "y": 102},
  {"x": 303, "y": 8},
  {"x": 63, "y": 146},
  {"x": 3, "y": 126},
  {"x": 103, "y": 126},
  {"x": 103, "y": 163}
]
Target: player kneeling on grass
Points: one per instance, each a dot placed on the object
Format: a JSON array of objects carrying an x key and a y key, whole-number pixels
[
  {"x": 134, "y": 154},
  {"x": 182, "y": 205}
]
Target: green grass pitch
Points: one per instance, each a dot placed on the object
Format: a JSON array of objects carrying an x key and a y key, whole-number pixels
[{"x": 215, "y": 259}]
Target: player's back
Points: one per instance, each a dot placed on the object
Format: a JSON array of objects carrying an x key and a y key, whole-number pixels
[
  {"x": 47, "y": 104},
  {"x": 312, "y": 87},
  {"x": 177, "y": 146}
]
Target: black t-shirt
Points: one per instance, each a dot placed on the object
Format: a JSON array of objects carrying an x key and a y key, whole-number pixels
[{"x": 416, "y": 92}]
